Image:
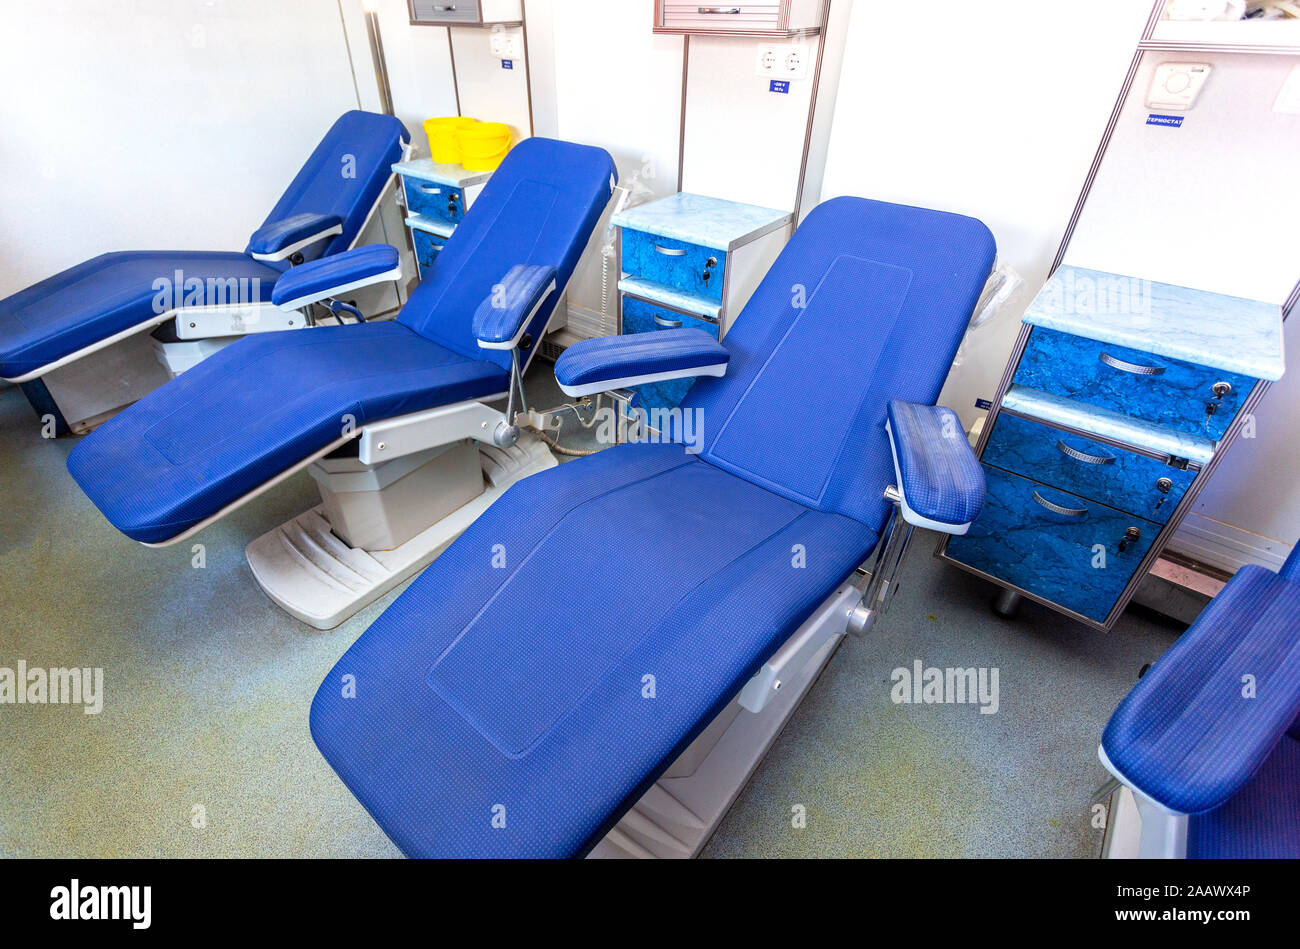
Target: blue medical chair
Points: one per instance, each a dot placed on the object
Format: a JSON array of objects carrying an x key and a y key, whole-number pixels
[
  {"x": 1208, "y": 740},
  {"x": 114, "y": 296},
  {"x": 403, "y": 400},
  {"x": 500, "y": 707}
]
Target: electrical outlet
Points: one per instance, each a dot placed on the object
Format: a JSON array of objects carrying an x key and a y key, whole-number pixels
[
  {"x": 506, "y": 45},
  {"x": 782, "y": 62},
  {"x": 770, "y": 60}
]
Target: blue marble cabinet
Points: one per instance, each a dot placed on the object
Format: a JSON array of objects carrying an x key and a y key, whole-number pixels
[
  {"x": 691, "y": 261},
  {"x": 436, "y": 197},
  {"x": 1106, "y": 426}
]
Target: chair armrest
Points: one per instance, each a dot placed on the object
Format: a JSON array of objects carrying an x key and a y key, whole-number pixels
[
  {"x": 330, "y": 276},
  {"x": 617, "y": 362},
  {"x": 280, "y": 240},
  {"x": 501, "y": 319},
  {"x": 939, "y": 477},
  {"x": 1194, "y": 730}
]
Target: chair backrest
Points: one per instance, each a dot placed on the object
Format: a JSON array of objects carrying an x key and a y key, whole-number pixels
[
  {"x": 539, "y": 207},
  {"x": 346, "y": 174},
  {"x": 868, "y": 302}
]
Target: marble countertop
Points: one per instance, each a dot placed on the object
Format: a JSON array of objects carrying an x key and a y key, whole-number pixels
[
  {"x": 1210, "y": 329},
  {"x": 709, "y": 222},
  {"x": 1107, "y": 424},
  {"x": 426, "y": 169}
]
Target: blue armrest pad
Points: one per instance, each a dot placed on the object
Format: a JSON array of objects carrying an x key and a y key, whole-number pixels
[
  {"x": 940, "y": 478},
  {"x": 500, "y": 318},
  {"x": 346, "y": 271},
  {"x": 1194, "y": 731},
  {"x": 274, "y": 237},
  {"x": 640, "y": 357}
]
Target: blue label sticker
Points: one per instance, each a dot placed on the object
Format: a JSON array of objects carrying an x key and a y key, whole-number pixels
[
  {"x": 507, "y": 64},
  {"x": 984, "y": 404},
  {"x": 780, "y": 85},
  {"x": 1173, "y": 121}
]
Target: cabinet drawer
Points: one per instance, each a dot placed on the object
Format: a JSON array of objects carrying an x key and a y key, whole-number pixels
[
  {"x": 444, "y": 11},
  {"x": 674, "y": 263},
  {"x": 427, "y": 199},
  {"x": 1166, "y": 391},
  {"x": 1054, "y": 544},
  {"x": 1120, "y": 479},
  {"x": 723, "y": 17},
  {"x": 642, "y": 317},
  {"x": 427, "y": 248}
]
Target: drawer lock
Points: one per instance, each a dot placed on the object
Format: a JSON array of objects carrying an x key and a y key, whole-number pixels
[
  {"x": 1131, "y": 536},
  {"x": 708, "y": 270}
]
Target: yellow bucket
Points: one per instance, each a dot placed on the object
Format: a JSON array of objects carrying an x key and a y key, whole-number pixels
[
  {"x": 484, "y": 140},
  {"x": 491, "y": 163},
  {"x": 444, "y": 139}
]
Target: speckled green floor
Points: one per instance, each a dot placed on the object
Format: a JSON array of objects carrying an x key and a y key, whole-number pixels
[{"x": 207, "y": 687}]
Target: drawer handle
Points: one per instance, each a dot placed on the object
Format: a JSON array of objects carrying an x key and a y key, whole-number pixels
[
  {"x": 668, "y": 324},
  {"x": 447, "y": 9},
  {"x": 1058, "y": 509},
  {"x": 710, "y": 11},
  {"x": 429, "y": 189},
  {"x": 1087, "y": 459},
  {"x": 670, "y": 251},
  {"x": 1132, "y": 367}
]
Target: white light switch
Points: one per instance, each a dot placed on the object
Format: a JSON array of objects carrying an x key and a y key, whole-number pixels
[
  {"x": 1288, "y": 100},
  {"x": 1176, "y": 85}
]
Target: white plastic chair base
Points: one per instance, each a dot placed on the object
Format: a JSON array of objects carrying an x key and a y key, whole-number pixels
[{"x": 310, "y": 573}]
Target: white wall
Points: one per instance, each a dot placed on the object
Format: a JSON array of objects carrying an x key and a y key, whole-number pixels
[
  {"x": 956, "y": 109},
  {"x": 1208, "y": 205},
  {"x": 156, "y": 124},
  {"x": 617, "y": 85}
]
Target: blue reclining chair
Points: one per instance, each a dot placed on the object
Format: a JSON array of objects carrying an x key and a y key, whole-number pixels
[
  {"x": 569, "y": 676},
  {"x": 389, "y": 416},
  {"x": 110, "y": 299},
  {"x": 1208, "y": 741}
]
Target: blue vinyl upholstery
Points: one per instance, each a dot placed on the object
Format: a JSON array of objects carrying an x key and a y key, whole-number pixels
[
  {"x": 499, "y": 317},
  {"x": 115, "y": 292},
  {"x": 344, "y": 175},
  {"x": 480, "y": 688},
  {"x": 112, "y": 293},
  {"x": 941, "y": 478},
  {"x": 268, "y": 401},
  {"x": 276, "y": 236},
  {"x": 1190, "y": 736},
  {"x": 801, "y": 410},
  {"x": 548, "y": 191},
  {"x": 316, "y": 279},
  {"x": 608, "y": 358},
  {"x": 218, "y": 431},
  {"x": 470, "y": 698}
]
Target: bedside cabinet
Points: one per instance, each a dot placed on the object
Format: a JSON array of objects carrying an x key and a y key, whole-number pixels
[
  {"x": 436, "y": 198},
  {"x": 1120, "y": 397},
  {"x": 691, "y": 261}
]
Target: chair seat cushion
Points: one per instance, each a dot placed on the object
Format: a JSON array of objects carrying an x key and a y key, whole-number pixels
[
  {"x": 112, "y": 293},
  {"x": 560, "y": 655},
  {"x": 1209, "y": 713},
  {"x": 1262, "y": 821},
  {"x": 255, "y": 409}
]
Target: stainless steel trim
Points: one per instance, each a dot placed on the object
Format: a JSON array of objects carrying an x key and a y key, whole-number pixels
[
  {"x": 713, "y": 11},
  {"x": 1084, "y": 457},
  {"x": 681, "y": 130},
  {"x": 377, "y": 57},
  {"x": 455, "y": 82},
  {"x": 1131, "y": 367},
  {"x": 670, "y": 251},
  {"x": 1059, "y": 509},
  {"x": 668, "y": 324},
  {"x": 1171, "y": 46},
  {"x": 1008, "y": 374},
  {"x": 528, "y": 65},
  {"x": 812, "y": 114}
]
